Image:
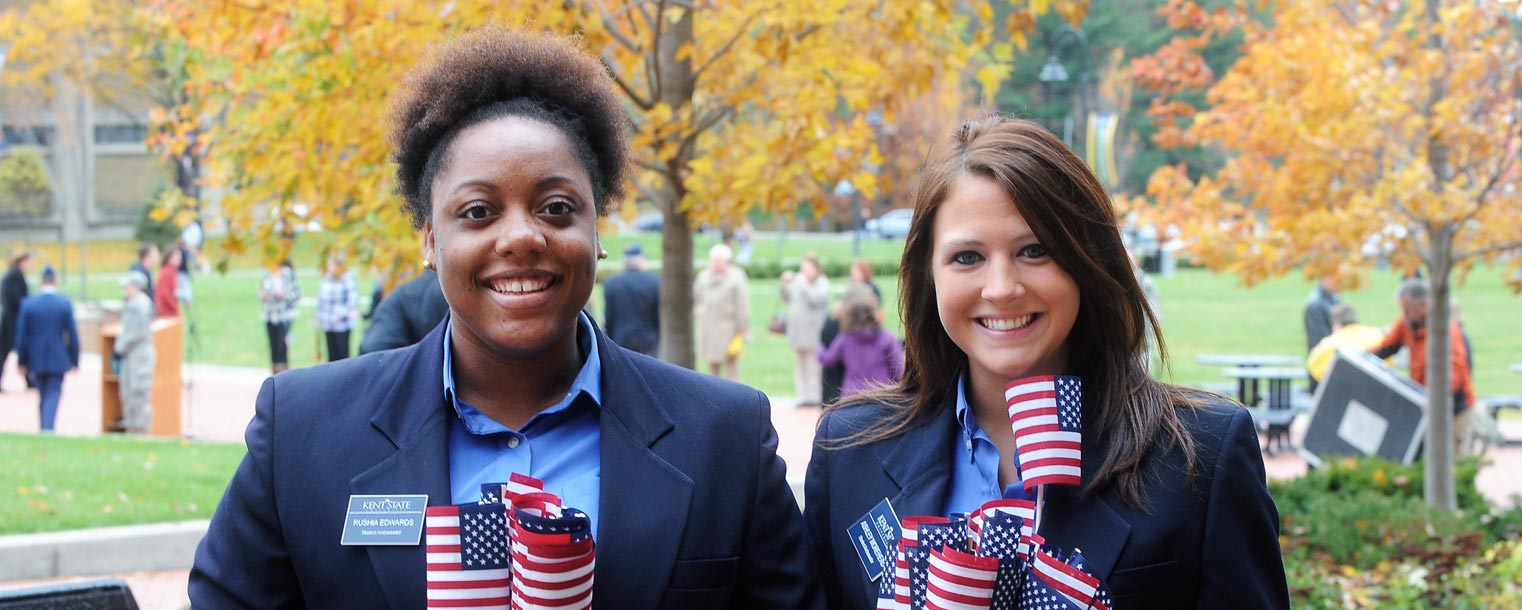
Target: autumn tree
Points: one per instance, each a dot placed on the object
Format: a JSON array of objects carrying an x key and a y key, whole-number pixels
[
  {"x": 1352, "y": 123},
  {"x": 736, "y": 105}
]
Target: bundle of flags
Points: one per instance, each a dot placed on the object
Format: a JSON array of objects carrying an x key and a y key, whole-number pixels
[
  {"x": 993, "y": 558},
  {"x": 518, "y": 548}
]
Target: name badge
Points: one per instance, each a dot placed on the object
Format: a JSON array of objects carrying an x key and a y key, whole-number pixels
[
  {"x": 875, "y": 536},
  {"x": 385, "y": 520}
]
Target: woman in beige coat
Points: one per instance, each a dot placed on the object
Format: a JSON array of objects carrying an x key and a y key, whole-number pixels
[
  {"x": 721, "y": 304},
  {"x": 807, "y": 294}
]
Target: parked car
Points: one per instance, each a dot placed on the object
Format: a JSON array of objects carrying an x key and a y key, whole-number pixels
[
  {"x": 649, "y": 221},
  {"x": 893, "y": 224}
]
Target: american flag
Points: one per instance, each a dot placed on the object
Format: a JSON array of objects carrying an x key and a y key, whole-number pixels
[
  {"x": 885, "y": 600},
  {"x": 1025, "y": 509},
  {"x": 935, "y": 536},
  {"x": 1047, "y": 417},
  {"x": 919, "y": 575},
  {"x": 1102, "y": 598},
  {"x": 554, "y": 558},
  {"x": 1072, "y": 583},
  {"x": 960, "y": 581},
  {"x": 467, "y": 556},
  {"x": 1002, "y": 540},
  {"x": 517, "y": 484}
]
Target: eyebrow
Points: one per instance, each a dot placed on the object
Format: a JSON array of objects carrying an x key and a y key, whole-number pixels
[
  {"x": 962, "y": 242},
  {"x": 545, "y": 182}
]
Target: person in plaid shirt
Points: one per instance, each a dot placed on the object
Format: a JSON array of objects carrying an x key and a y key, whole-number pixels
[
  {"x": 337, "y": 307},
  {"x": 279, "y": 292}
]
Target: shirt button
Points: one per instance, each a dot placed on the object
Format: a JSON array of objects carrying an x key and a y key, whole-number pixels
[
  {"x": 969, "y": 444},
  {"x": 512, "y": 442}
]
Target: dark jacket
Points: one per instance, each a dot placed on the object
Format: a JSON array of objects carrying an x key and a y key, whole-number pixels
[
  {"x": 1318, "y": 316},
  {"x": 47, "y": 339},
  {"x": 695, "y": 510},
  {"x": 1210, "y": 542},
  {"x": 406, "y": 315},
  {"x": 632, "y": 311},
  {"x": 12, "y": 290}
]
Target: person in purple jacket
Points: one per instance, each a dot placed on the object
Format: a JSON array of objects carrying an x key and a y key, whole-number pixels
[{"x": 872, "y": 357}]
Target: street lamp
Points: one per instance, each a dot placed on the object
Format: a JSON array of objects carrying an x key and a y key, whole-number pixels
[{"x": 1054, "y": 72}]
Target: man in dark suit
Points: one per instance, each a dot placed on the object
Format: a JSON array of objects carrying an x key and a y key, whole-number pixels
[
  {"x": 47, "y": 343},
  {"x": 632, "y": 310},
  {"x": 406, "y": 315},
  {"x": 695, "y": 509}
]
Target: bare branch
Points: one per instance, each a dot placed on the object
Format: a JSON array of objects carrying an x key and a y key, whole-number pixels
[
  {"x": 1493, "y": 248},
  {"x": 724, "y": 49},
  {"x": 610, "y": 21},
  {"x": 634, "y": 96}
]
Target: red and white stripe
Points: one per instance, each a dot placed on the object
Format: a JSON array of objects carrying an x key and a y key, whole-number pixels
[
  {"x": 448, "y": 586},
  {"x": 960, "y": 581},
  {"x": 550, "y": 572},
  {"x": 1047, "y": 453},
  {"x": 1071, "y": 582},
  {"x": 1024, "y": 509},
  {"x": 519, "y": 484}
]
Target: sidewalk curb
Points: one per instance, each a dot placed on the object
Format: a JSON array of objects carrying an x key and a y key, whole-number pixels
[{"x": 103, "y": 550}]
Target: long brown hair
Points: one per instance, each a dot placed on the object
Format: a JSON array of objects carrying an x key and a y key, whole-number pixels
[{"x": 1072, "y": 216}]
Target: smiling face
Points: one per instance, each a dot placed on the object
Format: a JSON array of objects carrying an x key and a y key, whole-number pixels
[
  {"x": 513, "y": 234},
  {"x": 1001, "y": 298}
]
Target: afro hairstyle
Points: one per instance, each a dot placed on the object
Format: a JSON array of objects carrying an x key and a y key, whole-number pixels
[{"x": 496, "y": 72}]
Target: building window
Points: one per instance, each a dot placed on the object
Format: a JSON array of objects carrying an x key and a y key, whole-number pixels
[
  {"x": 120, "y": 134},
  {"x": 27, "y": 135}
]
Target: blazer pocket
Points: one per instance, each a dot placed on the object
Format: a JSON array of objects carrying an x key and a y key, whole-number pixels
[
  {"x": 1150, "y": 580},
  {"x": 720, "y": 573}
]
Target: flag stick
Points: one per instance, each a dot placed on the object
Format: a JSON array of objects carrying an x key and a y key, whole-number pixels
[{"x": 1040, "y": 504}]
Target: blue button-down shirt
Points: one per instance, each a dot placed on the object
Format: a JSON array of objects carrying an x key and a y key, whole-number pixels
[
  {"x": 975, "y": 464},
  {"x": 559, "y": 445}
]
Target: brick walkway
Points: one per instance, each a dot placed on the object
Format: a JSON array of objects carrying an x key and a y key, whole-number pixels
[{"x": 219, "y": 401}]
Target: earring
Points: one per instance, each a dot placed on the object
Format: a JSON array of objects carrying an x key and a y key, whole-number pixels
[
  {"x": 602, "y": 253},
  {"x": 427, "y": 264}
]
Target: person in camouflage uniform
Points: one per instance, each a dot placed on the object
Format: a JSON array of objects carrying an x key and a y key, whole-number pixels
[{"x": 134, "y": 350}]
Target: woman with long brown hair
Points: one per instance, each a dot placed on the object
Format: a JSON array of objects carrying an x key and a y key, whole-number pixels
[{"x": 1013, "y": 268}]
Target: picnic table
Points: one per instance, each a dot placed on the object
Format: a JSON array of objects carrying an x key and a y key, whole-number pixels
[
  {"x": 1247, "y": 390},
  {"x": 1278, "y": 412}
]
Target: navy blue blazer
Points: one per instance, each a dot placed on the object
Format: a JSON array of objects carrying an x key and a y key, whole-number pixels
[
  {"x": 695, "y": 511},
  {"x": 47, "y": 339},
  {"x": 1209, "y": 542},
  {"x": 632, "y": 311}
]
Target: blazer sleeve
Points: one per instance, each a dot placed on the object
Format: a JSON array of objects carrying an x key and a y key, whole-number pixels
[
  {"x": 243, "y": 562},
  {"x": 73, "y": 339},
  {"x": 1241, "y": 567},
  {"x": 776, "y": 570},
  {"x": 19, "y": 342}
]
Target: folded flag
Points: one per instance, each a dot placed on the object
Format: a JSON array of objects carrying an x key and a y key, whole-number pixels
[
  {"x": 1047, "y": 416},
  {"x": 467, "y": 556},
  {"x": 960, "y": 581},
  {"x": 553, "y": 560},
  {"x": 518, "y": 484},
  {"x": 1003, "y": 541},
  {"x": 1023, "y": 508},
  {"x": 1052, "y": 574}
]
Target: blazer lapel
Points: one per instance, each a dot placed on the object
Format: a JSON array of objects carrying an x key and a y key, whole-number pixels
[
  {"x": 412, "y": 418},
  {"x": 644, "y": 500},
  {"x": 919, "y": 463},
  {"x": 1088, "y": 524}
]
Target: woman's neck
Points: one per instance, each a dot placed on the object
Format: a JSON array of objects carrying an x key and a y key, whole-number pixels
[{"x": 513, "y": 390}]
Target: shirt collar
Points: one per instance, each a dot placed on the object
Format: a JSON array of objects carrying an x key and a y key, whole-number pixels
[
  {"x": 588, "y": 380},
  {"x": 965, "y": 419}
]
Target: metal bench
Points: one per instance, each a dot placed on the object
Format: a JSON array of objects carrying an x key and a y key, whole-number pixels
[{"x": 106, "y": 594}]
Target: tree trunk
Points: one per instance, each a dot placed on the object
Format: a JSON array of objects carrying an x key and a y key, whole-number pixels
[
  {"x": 676, "y": 85},
  {"x": 1439, "y": 486}
]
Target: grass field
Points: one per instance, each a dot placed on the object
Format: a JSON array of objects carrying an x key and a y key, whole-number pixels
[{"x": 57, "y": 483}]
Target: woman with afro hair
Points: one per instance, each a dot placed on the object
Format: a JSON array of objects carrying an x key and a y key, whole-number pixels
[{"x": 509, "y": 147}]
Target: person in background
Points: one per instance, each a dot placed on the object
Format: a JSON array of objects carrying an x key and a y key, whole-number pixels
[
  {"x": 165, "y": 303},
  {"x": 632, "y": 304},
  {"x": 279, "y": 293},
  {"x": 337, "y": 307},
  {"x": 406, "y": 315},
  {"x": 191, "y": 240},
  {"x": 1410, "y": 333},
  {"x": 47, "y": 343},
  {"x": 147, "y": 263},
  {"x": 832, "y": 376},
  {"x": 721, "y": 308},
  {"x": 807, "y": 294},
  {"x": 871, "y": 357},
  {"x": 1346, "y": 332},
  {"x": 135, "y": 352},
  {"x": 1014, "y": 268},
  {"x": 510, "y": 148},
  {"x": 13, "y": 290},
  {"x": 1318, "y": 314},
  {"x": 745, "y": 246}
]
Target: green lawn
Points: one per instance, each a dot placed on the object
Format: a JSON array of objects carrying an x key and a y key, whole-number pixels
[{"x": 60, "y": 483}]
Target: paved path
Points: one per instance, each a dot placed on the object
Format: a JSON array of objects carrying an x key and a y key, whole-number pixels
[{"x": 219, "y": 401}]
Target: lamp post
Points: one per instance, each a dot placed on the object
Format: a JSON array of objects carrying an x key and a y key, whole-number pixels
[{"x": 1054, "y": 72}]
